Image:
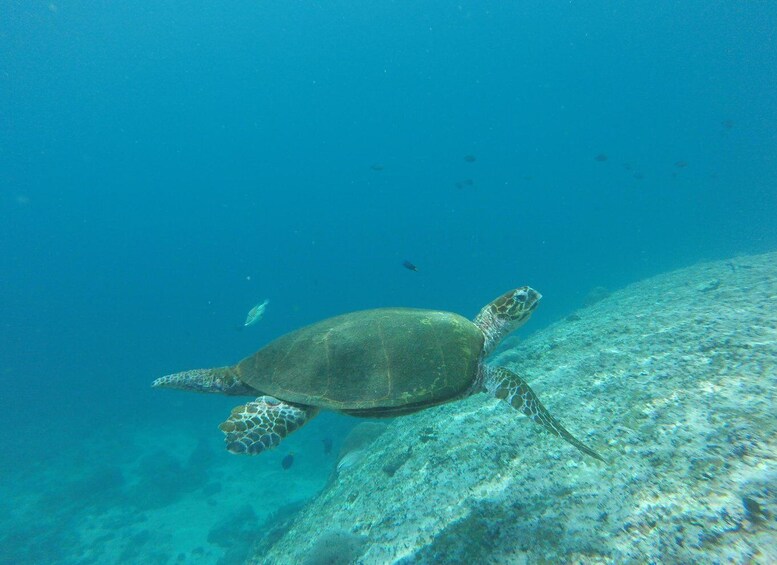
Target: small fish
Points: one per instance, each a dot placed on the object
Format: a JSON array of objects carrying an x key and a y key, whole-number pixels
[
  {"x": 327, "y": 445},
  {"x": 287, "y": 461},
  {"x": 681, "y": 164},
  {"x": 470, "y": 158},
  {"x": 601, "y": 157},
  {"x": 408, "y": 265},
  {"x": 376, "y": 167},
  {"x": 255, "y": 314},
  {"x": 753, "y": 510}
]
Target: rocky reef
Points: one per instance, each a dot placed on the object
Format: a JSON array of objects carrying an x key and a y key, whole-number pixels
[{"x": 672, "y": 379}]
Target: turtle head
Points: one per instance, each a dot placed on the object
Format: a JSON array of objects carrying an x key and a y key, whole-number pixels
[{"x": 506, "y": 314}]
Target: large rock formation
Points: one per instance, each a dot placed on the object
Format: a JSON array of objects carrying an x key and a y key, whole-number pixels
[{"x": 673, "y": 380}]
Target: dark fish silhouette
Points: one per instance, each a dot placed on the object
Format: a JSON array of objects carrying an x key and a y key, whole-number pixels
[
  {"x": 601, "y": 157},
  {"x": 681, "y": 164},
  {"x": 470, "y": 158},
  {"x": 327, "y": 445},
  {"x": 462, "y": 184},
  {"x": 727, "y": 124},
  {"x": 753, "y": 510},
  {"x": 376, "y": 167},
  {"x": 287, "y": 461},
  {"x": 408, "y": 265}
]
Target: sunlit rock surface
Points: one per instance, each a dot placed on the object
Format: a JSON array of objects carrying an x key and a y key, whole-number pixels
[{"x": 673, "y": 380}]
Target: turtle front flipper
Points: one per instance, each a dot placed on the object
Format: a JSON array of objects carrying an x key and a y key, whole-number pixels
[
  {"x": 511, "y": 388},
  {"x": 262, "y": 424},
  {"x": 222, "y": 380},
  {"x": 506, "y": 314}
]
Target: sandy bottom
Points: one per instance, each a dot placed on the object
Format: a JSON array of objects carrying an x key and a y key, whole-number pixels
[{"x": 161, "y": 494}]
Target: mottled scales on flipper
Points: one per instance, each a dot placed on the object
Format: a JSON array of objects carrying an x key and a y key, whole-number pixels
[
  {"x": 220, "y": 380},
  {"x": 374, "y": 363},
  {"x": 262, "y": 424},
  {"x": 511, "y": 388}
]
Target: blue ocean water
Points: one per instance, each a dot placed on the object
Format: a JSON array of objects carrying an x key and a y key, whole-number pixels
[{"x": 166, "y": 166}]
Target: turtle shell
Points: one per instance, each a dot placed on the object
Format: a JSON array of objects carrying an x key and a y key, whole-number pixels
[{"x": 389, "y": 360}]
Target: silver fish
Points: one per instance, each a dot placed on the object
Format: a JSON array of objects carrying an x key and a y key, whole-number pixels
[{"x": 255, "y": 314}]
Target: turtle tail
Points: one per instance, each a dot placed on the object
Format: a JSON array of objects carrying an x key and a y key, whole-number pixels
[{"x": 221, "y": 380}]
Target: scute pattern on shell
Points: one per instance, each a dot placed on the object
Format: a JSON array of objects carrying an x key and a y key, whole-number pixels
[{"x": 373, "y": 359}]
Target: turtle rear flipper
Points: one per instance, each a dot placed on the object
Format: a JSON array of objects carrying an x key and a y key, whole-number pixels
[
  {"x": 262, "y": 424},
  {"x": 511, "y": 388},
  {"x": 221, "y": 380}
]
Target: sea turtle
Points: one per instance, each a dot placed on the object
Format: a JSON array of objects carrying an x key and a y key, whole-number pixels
[{"x": 372, "y": 363}]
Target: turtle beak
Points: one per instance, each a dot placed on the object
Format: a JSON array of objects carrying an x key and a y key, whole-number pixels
[
  {"x": 529, "y": 297},
  {"x": 533, "y": 298}
]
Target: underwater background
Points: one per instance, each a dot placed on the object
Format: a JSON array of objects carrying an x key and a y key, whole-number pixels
[{"x": 166, "y": 166}]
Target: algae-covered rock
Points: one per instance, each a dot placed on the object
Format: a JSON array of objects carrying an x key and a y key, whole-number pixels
[
  {"x": 335, "y": 548},
  {"x": 360, "y": 437},
  {"x": 673, "y": 380}
]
